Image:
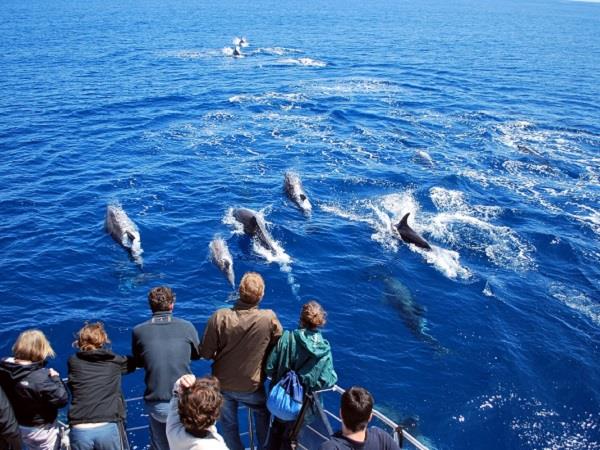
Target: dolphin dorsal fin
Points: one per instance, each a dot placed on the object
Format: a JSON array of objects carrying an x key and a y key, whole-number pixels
[
  {"x": 404, "y": 221},
  {"x": 302, "y": 197},
  {"x": 130, "y": 235}
]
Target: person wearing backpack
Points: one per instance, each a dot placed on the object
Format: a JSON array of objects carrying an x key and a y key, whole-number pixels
[{"x": 305, "y": 352}]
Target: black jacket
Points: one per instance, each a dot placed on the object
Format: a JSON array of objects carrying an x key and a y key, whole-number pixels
[
  {"x": 95, "y": 383},
  {"x": 9, "y": 428},
  {"x": 35, "y": 396}
]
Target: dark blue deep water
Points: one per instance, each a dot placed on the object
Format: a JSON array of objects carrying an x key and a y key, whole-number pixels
[{"x": 481, "y": 118}]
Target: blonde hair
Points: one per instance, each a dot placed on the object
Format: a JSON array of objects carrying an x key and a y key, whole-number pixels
[
  {"x": 312, "y": 316},
  {"x": 32, "y": 345},
  {"x": 91, "y": 337},
  {"x": 252, "y": 288}
]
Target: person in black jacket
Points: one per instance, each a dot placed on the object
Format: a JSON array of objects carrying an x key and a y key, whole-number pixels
[
  {"x": 97, "y": 412},
  {"x": 35, "y": 393},
  {"x": 10, "y": 437}
]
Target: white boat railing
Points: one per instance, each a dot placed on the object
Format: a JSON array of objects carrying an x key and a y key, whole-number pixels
[{"x": 320, "y": 430}]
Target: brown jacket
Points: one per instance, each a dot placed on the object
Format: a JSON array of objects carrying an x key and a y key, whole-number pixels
[{"x": 238, "y": 339}]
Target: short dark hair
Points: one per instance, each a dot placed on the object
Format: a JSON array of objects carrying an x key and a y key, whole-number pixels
[
  {"x": 356, "y": 408},
  {"x": 200, "y": 405},
  {"x": 161, "y": 298}
]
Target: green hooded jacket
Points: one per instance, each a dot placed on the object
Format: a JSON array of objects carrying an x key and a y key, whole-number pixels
[{"x": 308, "y": 354}]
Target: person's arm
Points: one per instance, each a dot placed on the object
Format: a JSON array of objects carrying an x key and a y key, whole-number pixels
[
  {"x": 53, "y": 390},
  {"x": 210, "y": 341},
  {"x": 128, "y": 364},
  {"x": 136, "y": 349},
  {"x": 194, "y": 343}
]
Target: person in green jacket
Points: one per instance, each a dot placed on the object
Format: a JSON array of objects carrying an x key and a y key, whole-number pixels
[{"x": 309, "y": 355}]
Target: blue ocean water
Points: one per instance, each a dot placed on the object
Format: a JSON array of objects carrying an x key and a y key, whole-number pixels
[{"x": 480, "y": 118}]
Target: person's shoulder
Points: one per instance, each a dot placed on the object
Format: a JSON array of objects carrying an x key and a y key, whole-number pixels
[
  {"x": 181, "y": 322},
  {"x": 335, "y": 443},
  {"x": 140, "y": 326},
  {"x": 267, "y": 313},
  {"x": 385, "y": 440}
]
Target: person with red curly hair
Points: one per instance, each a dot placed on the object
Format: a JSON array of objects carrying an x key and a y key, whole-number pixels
[{"x": 193, "y": 411}]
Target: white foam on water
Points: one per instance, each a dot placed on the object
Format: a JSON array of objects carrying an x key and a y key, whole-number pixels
[
  {"x": 487, "y": 290},
  {"x": 383, "y": 213},
  {"x": 308, "y": 62},
  {"x": 277, "y": 51},
  {"x": 536, "y": 425},
  {"x": 465, "y": 226},
  {"x": 577, "y": 301}
]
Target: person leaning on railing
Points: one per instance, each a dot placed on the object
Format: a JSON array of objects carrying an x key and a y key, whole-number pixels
[
  {"x": 193, "y": 411},
  {"x": 237, "y": 340},
  {"x": 163, "y": 346},
  {"x": 97, "y": 412},
  {"x": 36, "y": 393},
  {"x": 309, "y": 355},
  {"x": 356, "y": 411}
]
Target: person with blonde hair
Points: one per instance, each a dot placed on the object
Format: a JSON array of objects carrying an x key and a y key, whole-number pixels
[
  {"x": 237, "y": 340},
  {"x": 309, "y": 355},
  {"x": 97, "y": 412},
  {"x": 193, "y": 412},
  {"x": 35, "y": 392}
]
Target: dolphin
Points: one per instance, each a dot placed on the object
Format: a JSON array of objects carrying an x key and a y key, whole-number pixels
[
  {"x": 124, "y": 231},
  {"x": 409, "y": 235},
  {"x": 222, "y": 258},
  {"x": 412, "y": 313},
  {"x": 294, "y": 190},
  {"x": 254, "y": 226},
  {"x": 237, "y": 51}
]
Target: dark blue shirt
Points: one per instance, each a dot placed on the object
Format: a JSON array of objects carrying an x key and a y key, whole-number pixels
[
  {"x": 376, "y": 439},
  {"x": 164, "y": 346}
]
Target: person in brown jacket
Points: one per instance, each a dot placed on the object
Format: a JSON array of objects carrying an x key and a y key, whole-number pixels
[{"x": 237, "y": 340}]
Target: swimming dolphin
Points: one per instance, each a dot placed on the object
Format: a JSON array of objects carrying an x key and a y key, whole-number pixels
[
  {"x": 412, "y": 313},
  {"x": 124, "y": 231},
  {"x": 237, "y": 51},
  {"x": 254, "y": 226},
  {"x": 241, "y": 41},
  {"x": 222, "y": 258},
  {"x": 294, "y": 190},
  {"x": 409, "y": 235}
]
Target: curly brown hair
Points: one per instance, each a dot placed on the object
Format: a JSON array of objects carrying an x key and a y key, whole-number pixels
[
  {"x": 200, "y": 405},
  {"x": 92, "y": 337},
  {"x": 161, "y": 298},
  {"x": 312, "y": 316}
]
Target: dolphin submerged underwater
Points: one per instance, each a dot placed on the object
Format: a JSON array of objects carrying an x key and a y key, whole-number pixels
[
  {"x": 411, "y": 312},
  {"x": 221, "y": 257},
  {"x": 124, "y": 231}
]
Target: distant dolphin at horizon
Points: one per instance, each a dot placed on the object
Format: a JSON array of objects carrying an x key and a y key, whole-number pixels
[
  {"x": 294, "y": 190},
  {"x": 411, "y": 312},
  {"x": 254, "y": 225},
  {"x": 409, "y": 235},
  {"x": 124, "y": 231},
  {"x": 221, "y": 257}
]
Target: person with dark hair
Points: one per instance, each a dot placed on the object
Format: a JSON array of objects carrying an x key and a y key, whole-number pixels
[
  {"x": 309, "y": 355},
  {"x": 356, "y": 411},
  {"x": 193, "y": 412},
  {"x": 10, "y": 437},
  {"x": 237, "y": 340},
  {"x": 35, "y": 393},
  {"x": 97, "y": 413},
  {"x": 164, "y": 347}
]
